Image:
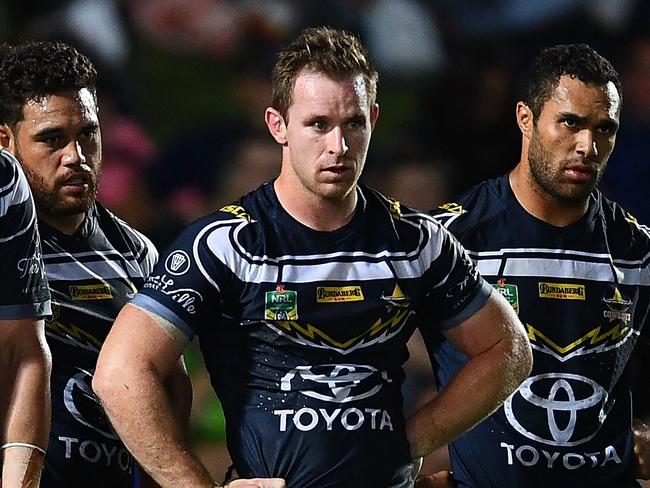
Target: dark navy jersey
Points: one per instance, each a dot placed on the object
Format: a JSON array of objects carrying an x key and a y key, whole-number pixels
[
  {"x": 91, "y": 274},
  {"x": 304, "y": 332},
  {"x": 23, "y": 288},
  {"x": 583, "y": 294}
]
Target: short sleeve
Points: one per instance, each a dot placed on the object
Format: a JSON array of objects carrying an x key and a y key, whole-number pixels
[
  {"x": 23, "y": 288},
  {"x": 457, "y": 290},
  {"x": 182, "y": 288}
]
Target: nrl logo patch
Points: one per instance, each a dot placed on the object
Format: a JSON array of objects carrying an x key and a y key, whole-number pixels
[
  {"x": 561, "y": 291},
  {"x": 332, "y": 294},
  {"x": 281, "y": 304},
  {"x": 509, "y": 292},
  {"x": 90, "y": 292}
]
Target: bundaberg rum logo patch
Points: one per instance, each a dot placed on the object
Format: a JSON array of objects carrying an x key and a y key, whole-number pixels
[
  {"x": 90, "y": 292},
  {"x": 561, "y": 291},
  {"x": 332, "y": 294},
  {"x": 281, "y": 304}
]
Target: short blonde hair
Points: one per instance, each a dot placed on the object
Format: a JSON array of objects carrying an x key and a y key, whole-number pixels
[{"x": 336, "y": 53}]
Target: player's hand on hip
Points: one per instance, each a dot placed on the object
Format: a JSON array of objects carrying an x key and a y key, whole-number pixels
[
  {"x": 257, "y": 483},
  {"x": 641, "y": 433},
  {"x": 441, "y": 479}
]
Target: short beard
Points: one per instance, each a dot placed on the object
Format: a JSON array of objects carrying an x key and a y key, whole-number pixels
[
  {"x": 546, "y": 177},
  {"x": 48, "y": 202}
]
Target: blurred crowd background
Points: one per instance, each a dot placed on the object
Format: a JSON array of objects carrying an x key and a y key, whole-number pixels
[{"x": 183, "y": 85}]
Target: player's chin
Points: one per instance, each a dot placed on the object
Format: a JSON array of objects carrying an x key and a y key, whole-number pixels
[
  {"x": 336, "y": 191},
  {"x": 581, "y": 190},
  {"x": 73, "y": 206}
]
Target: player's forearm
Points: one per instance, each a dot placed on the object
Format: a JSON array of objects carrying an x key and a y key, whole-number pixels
[
  {"x": 179, "y": 391},
  {"x": 478, "y": 389},
  {"x": 27, "y": 419},
  {"x": 641, "y": 432},
  {"x": 22, "y": 467},
  {"x": 139, "y": 409}
]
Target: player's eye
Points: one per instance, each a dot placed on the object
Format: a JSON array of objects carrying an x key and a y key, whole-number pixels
[{"x": 570, "y": 123}]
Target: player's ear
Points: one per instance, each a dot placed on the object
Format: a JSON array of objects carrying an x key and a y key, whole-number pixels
[
  {"x": 525, "y": 118},
  {"x": 374, "y": 114},
  {"x": 6, "y": 137},
  {"x": 276, "y": 124}
]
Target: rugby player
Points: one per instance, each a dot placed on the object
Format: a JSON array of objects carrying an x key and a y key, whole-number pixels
[
  {"x": 25, "y": 360},
  {"x": 303, "y": 294},
  {"x": 575, "y": 266},
  {"x": 94, "y": 261}
]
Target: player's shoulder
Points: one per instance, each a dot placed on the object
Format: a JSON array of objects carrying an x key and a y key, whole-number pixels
[
  {"x": 124, "y": 236},
  {"x": 8, "y": 166},
  {"x": 230, "y": 217},
  {"x": 10, "y": 173},
  {"x": 624, "y": 232},
  {"x": 475, "y": 208},
  {"x": 385, "y": 211}
]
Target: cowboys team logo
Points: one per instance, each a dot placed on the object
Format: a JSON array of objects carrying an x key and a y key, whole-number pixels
[
  {"x": 617, "y": 308},
  {"x": 80, "y": 400},
  {"x": 557, "y": 409},
  {"x": 338, "y": 383},
  {"x": 453, "y": 207},
  {"x": 177, "y": 263},
  {"x": 396, "y": 298}
]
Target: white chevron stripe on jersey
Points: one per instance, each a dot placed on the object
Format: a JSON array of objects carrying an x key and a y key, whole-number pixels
[
  {"x": 98, "y": 269},
  {"x": 15, "y": 193},
  {"x": 20, "y": 192},
  {"x": 563, "y": 268},
  {"x": 330, "y": 267},
  {"x": 28, "y": 227},
  {"x": 565, "y": 253}
]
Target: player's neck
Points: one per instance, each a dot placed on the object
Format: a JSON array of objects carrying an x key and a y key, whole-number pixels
[
  {"x": 67, "y": 224},
  {"x": 314, "y": 211},
  {"x": 542, "y": 205}
]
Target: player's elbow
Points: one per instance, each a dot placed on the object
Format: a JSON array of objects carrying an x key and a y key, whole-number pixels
[
  {"x": 106, "y": 381},
  {"x": 519, "y": 359}
]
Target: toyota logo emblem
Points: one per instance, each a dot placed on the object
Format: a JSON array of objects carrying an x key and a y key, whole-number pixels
[{"x": 557, "y": 409}]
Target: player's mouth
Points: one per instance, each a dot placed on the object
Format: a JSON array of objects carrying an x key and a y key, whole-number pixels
[
  {"x": 580, "y": 172},
  {"x": 336, "y": 172},
  {"x": 77, "y": 184}
]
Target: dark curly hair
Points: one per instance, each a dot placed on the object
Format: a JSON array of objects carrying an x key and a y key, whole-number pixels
[
  {"x": 36, "y": 69},
  {"x": 336, "y": 53},
  {"x": 576, "y": 60}
]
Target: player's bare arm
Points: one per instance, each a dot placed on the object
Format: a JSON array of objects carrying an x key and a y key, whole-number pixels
[
  {"x": 25, "y": 365},
  {"x": 500, "y": 359},
  {"x": 136, "y": 360}
]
